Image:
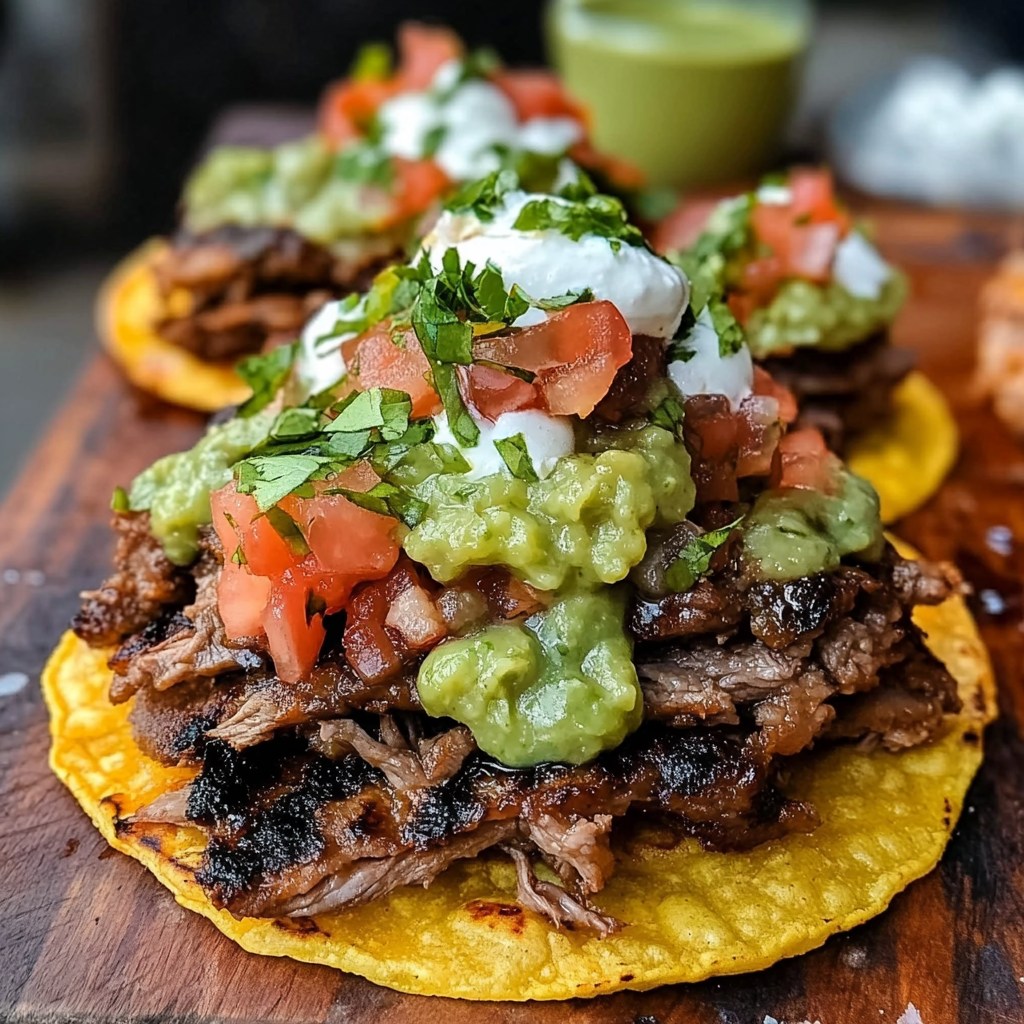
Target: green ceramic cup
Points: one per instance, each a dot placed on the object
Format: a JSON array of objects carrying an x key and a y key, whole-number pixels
[{"x": 691, "y": 91}]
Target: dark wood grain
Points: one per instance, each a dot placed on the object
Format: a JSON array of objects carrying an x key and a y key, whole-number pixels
[{"x": 87, "y": 935}]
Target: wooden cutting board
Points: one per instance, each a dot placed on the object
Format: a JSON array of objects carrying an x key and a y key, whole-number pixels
[{"x": 88, "y": 935}]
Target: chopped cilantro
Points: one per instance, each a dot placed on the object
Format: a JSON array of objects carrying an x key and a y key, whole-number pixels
[
  {"x": 265, "y": 374},
  {"x": 292, "y": 424},
  {"x": 433, "y": 138},
  {"x": 383, "y": 409},
  {"x": 387, "y": 500},
  {"x": 516, "y": 456},
  {"x": 730, "y": 334},
  {"x": 119, "y": 500},
  {"x": 679, "y": 352},
  {"x": 669, "y": 413},
  {"x": 695, "y": 558},
  {"x": 484, "y": 196},
  {"x": 364, "y": 163},
  {"x": 462, "y": 424},
  {"x": 288, "y": 530},
  {"x": 372, "y": 62},
  {"x": 269, "y": 478},
  {"x": 603, "y": 216}
]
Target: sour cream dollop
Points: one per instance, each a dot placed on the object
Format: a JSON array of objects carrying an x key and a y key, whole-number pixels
[
  {"x": 859, "y": 268},
  {"x": 650, "y": 294},
  {"x": 548, "y": 438},
  {"x": 318, "y": 366},
  {"x": 471, "y": 118},
  {"x": 707, "y": 371}
]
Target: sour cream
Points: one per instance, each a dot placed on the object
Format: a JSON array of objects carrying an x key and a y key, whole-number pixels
[
  {"x": 319, "y": 363},
  {"x": 472, "y": 119},
  {"x": 859, "y": 268},
  {"x": 650, "y": 294},
  {"x": 548, "y": 439},
  {"x": 707, "y": 372}
]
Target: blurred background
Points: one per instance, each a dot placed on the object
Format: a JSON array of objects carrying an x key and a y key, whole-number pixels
[{"x": 105, "y": 104}]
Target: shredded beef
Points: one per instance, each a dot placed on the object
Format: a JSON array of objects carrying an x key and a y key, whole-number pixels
[
  {"x": 843, "y": 393},
  {"x": 253, "y": 287},
  {"x": 144, "y": 585},
  {"x": 855, "y": 630}
]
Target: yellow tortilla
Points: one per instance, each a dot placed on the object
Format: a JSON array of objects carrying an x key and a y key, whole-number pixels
[
  {"x": 128, "y": 306},
  {"x": 691, "y": 914},
  {"x": 908, "y": 457}
]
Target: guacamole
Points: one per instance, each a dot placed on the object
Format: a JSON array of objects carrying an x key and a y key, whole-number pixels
[
  {"x": 825, "y": 317},
  {"x": 176, "y": 489},
  {"x": 794, "y": 533},
  {"x": 561, "y": 687},
  {"x": 587, "y": 520},
  {"x": 325, "y": 197}
]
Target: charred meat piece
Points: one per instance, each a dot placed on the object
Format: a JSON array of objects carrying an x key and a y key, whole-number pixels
[
  {"x": 633, "y": 383},
  {"x": 144, "y": 586},
  {"x": 843, "y": 393},
  {"x": 283, "y": 822}
]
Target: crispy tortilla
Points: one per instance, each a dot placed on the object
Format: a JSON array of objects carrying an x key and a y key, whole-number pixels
[
  {"x": 908, "y": 457},
  {"x": 128, "y": 306},
  {"x": 691, "y": 914}
]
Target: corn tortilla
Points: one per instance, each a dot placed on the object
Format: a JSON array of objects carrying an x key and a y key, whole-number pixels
[
  {"x": 128, "y": 306},
  {"x": 908, "y": 457},
  {"x": 691, "y": 914}
]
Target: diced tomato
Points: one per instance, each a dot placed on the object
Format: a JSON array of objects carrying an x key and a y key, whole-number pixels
[
  {"x": 682, "y": 227},
  {"x": 812, "y": 248},
  {"x": 422, "y": 50},
  {"x": 241, "y": 598},
  {"x": 814, "y": 197},
  {"x": 492, "y": 392},
  {"x": 348, "y": 107},
  {"x": 803, "y": 460},
  {"x": 280, "y": 589},
  {"x": 344, "y": 538},
  {"x": 294, "y": 627},
  {"x": 766, "y": 384},
  {"x": 419, "y": 184},
  {"x": 618, "y": 172},
  {"x": 773, "y": 225},
  {"x": 375, "y": 360},
  {"x": 574, "y": 354},
  {"x": 758, "y": 433},
  {"x": 538, "y": 93}
]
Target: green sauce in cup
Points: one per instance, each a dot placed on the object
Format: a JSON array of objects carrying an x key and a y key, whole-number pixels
[{"x": 691, "y": 91}]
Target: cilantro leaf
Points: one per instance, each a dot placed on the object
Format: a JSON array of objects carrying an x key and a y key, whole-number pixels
[
  {"x": 387, "y": 500},
  {"x": 288, "y": 530},
  {"x": 461, "y": 422},
  {"x": 442, "y": 335},
  {"x": 266, "y": 375},
  {"x": 669, "y": 413},
  {"x": 269, "y": 478},
  {"x": 679, "y": 352},
  {"x": 383, "y": 409},
  {"x": 730, "y": 334},
  {"x": 433, "y": 138},
  {"x": 603, "y": 216},
  {"x": 292, "y": 424},
  {"x": 516, "y": 456},
  {"x": 694, "y": 560},
  {"x": 484, "y": 196}
]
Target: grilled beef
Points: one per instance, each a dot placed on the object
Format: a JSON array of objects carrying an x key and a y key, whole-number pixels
[
  {"x": 250, "y": 288},
  {"x": 843, "y": 393},
  {"x": 145, "y": 583},
  {"x": 294, "y": 832}
]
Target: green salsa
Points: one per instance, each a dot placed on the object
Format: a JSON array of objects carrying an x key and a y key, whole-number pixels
[
  {"x": 794, "y": 533},
  {"x": 561, "y": 687},
  {"x": 689, "y": 91},
  {"x": 586, "y": 520},
  {"x": 176, "y": 489}
]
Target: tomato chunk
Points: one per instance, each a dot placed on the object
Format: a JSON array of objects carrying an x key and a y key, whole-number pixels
[
  {"x": 682, "y": 227},
  {"x": 422, "y": 50},
  {"x": 766, "y": 384},
  {"x": 492, "y": 392},
  {"x": 574, "y": 353},
  {"x": 538, "y": 93},
  {"x": 375, "y": 360},
  {"x": 419, "y": 184},
  {"x": 804, "y": 461}
]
